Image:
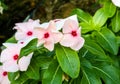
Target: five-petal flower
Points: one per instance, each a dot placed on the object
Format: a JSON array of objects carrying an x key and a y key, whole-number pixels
[
  {"x": 72, "y": 37},
  {"x": 26, "y": 30},
  {"x": 48, "y": 36},
  {"x": 10, "y": 58}
]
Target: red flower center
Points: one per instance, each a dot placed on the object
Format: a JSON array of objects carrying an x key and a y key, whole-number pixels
[
  {"x": 21, "y": 42},
  {"x": 29, "y": 33},
  {"x": 4, "y": 73},
  {"x": 46, "y": 35},
  {"x": 74, "y": 33},
  {"x": 15, "y": 57}
]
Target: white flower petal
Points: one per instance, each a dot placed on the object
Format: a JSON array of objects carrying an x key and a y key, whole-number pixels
[
  {"x": 69, "y": 26},
  {"x": 73, "y": 17},
  {"x": 59, "y": 24},
  {"x": 67, "y": 40},
  {"x": 24, "y": 62},
  {"x": 5, "y": 80},
  {"x": 116, "y": 2},
  {"x": 10, "y": 66},
  {"x": 44, "y": 25},
  {"x": 79, "y": 44},
  {"x": 8, "y": 53}
]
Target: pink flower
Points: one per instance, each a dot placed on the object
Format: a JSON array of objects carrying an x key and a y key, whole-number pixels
[
  {"x": 59, "y": 22},
  {"x": 4, "y": 76},
  {"x": 72, "y": 37},
  {"x": 48, "y": 36},
  {"x": 9, "y": 58},
  {"x": 25, "y": 30}
]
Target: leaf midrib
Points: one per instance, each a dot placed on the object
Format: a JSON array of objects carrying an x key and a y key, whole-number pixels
[
  {"x": 86, "y": 77},
  {"x": 107, "y": 41},
  {"x": 67, "y": 58},
  {"x": 105, "y": 74},
  {"x": 94, "y": 49},
  {"x": 54, "y": 75}
]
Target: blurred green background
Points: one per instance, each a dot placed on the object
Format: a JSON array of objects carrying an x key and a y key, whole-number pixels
[{"x": 18, "y": 10}]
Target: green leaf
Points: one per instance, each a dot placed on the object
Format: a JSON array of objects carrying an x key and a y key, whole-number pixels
[
  {"x": 94, "y": 48},
  {"x": 3, "y": 5},
  {"x": 100, "y": 18},
  {"x": 108, "y": 73},
  {"x": 118, "y": 40},
  {"x": 68, "y": 60},
  {"x": 82, "y": 16},
  {"x": 12, "y": 76},
  {"x": 53, "y": 74},
  {"x": 109, "y": 8},
  {"x": 21, "y": 80},
  {"x": 116, "y": 22},
  {"x": 30, "y": 47},
  {"x": 43, "y": 61},
  {"x": 107, "y": 40},
  {"x": 11, "y": 40},
  {"x": 33, "y": 70},
  {"x": 30, "y": 81},
  {"x": 90, "y": 77},
  {"x": 86, "y": 27},
  {"x": 85, "y": 63}
]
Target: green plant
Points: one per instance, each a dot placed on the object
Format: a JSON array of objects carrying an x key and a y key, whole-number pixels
[{"x": 97, "y": 62}]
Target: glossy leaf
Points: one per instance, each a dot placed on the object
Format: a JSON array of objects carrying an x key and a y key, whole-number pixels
[
  {"x": 31, "y": 82},
  {"x": 116, "y": 22},
  {"x": 30, "y": 47},
  {"x": 107, "y": 40},
  {"x": 90, "y": 77},
  {"x": 68, "y": 60},
  {"x": 82, "y": 16},
  {"x": 86, "y": 27},
  {"x": 108, "y": 73},
  {"x": 33, "y": 70},
  {"x": 118, "y": 40},
  {"x": 109, "y": 8},
  {"x": 21, "y": 80},
  {"x": 94, "y": 48},
  {"x": 53, "y": 74},
  {"x": 43, "y": 61},
  {"x": 100, "y": 18},
  {"x": 12, "y": 76}
]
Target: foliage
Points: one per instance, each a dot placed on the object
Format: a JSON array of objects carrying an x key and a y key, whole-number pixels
[{"x": 98, "y": 61}]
